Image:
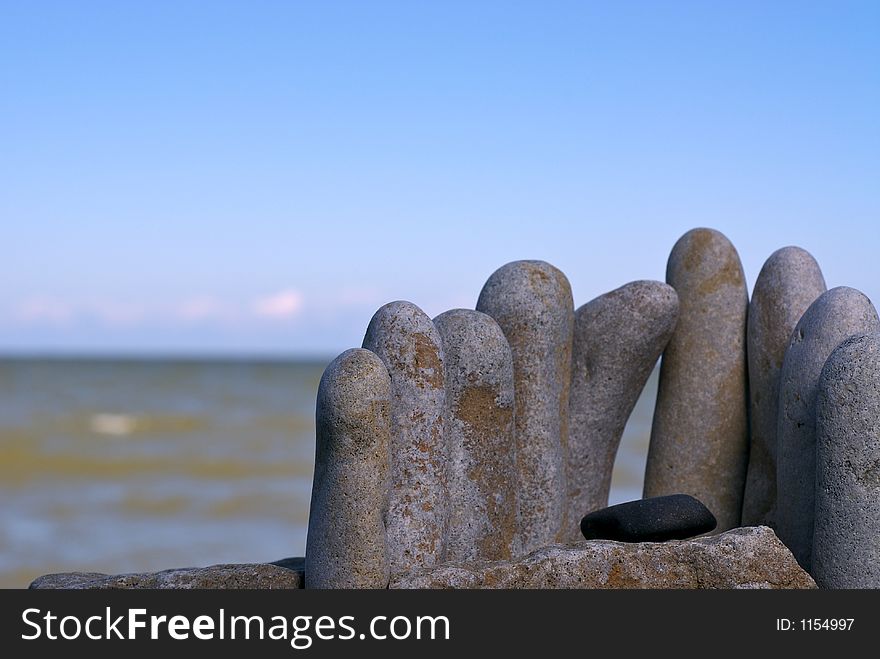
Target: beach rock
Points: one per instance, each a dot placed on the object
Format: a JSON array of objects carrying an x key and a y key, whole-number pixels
[
  {"x": 480, "y": 430},
  {"x": 618, "y": 338},
  {"x": 673, "y": 517},
  {"x": 532, "y": 302},
  {"x": 346, "y": 546},
  {"x": 788, "y": 283},
  {"x": 742, "y": 558},
  {"x": 230, "y": 576},
  {"x": 835, "y": 316},
  {"x": 846, "y": 541},
  {"x": 699, "y": 437},
  {"x": 406, "y": 341}
]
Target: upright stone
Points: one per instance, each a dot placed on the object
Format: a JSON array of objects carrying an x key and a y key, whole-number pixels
[
  {"x": 699, "y": 437},
  {"x": 531, "y": 301},
  {"x": 846, "y": 544},
  {"x": 480, "y": 429},
  {"x": 788, "y": 283},
  {"x": 346, "y": 546},
  {"x": 835, "y": 316},
  {"x": 406, "y": 341},
  {"x": 617, "y": 340}
]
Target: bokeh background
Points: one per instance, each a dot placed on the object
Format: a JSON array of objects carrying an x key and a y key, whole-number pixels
[{"x": 204, "y": 202}]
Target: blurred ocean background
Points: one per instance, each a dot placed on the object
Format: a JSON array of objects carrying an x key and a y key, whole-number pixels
[{"x": 145, "y": 464}]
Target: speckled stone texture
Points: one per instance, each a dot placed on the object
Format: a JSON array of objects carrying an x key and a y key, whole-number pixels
[
  {"x": 699, "y": 438},
  {"x": 532, "y": 302},
  {"x": 673, "y": 517},
  {"x": 742, "y": 558},
  {"x": 835, "y": 316},
  {"x": 788, "y": 283},
  {"x": 480, "y": 428},
  {"x": 406, "y": 341},
  {"x": 346, "y": 546},
  {"x": 846, "y": 541},
  {"x": 618, "y": 338},
  {"x": 229, "y": 576}
]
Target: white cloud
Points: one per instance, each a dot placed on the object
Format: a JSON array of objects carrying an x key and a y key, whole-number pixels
[
  {"x": 114, "y": 312},
  {"x": 43, "y": 309},
  {"x": 199, "y": 309},
  {"x": 202, "y": 308},
  {"x": 284, "y": 304}
]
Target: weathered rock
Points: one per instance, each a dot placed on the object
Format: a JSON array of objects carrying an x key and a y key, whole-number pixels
[
  {"x": 480, "y": 429},
  {"x": 531, "y": 301},
  {"x": 846, "y": 541},
  {"x": 742, "y": 558},
  {"x": 699, "y": 437},
  {"x": 617, "y": 340},
  {"x": 673, "y": 517},
  {"x": 346, "y": 545},
  {"x": 407, "y": 342},
  {"x": 835, "y": 316},
  {"x": 788, "y": 283},
  {"x": 231, "y": 576}
]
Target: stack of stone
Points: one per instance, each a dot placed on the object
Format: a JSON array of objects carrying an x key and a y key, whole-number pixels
[{"x": 488, "y": 434}]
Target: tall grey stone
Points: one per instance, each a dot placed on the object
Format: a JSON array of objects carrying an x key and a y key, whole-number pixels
[
  {"x": 346, "y": 546},
  {"x": 531, "y": 301},
  {"x": 618, "y": 338},
  {"x": 406, "y": 341},
  {"x": 835, "y": 316},
  {"x": 788, "y": 283},
  {"x": 699, "y": 437},
  {"x": 846, "y": 541},
  {"x": 480, "y": 428}
]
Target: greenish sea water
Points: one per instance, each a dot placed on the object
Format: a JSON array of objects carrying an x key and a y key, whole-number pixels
[{"x": 130, "y": 465}]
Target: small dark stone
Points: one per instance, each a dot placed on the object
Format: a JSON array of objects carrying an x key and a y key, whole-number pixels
[
  {"x": 672, "y": 517},
  {"x": 295, "y": 563}
]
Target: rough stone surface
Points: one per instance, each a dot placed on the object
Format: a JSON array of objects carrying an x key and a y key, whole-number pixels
[
  {"x": 618, "y": 338},
  {"x": 788, "y": 283},
  {"x": 231, "y": 576},
  {"x": 346, "y": 546},
  {"x": 406, "y": 341},
  {"x": 846, "y": 543},
  {"x": 742, "y": 558},
  {"x": 532, "y": 302},
  {"x": 673, "y": 517},
  {"x": 835, "y": 316},
  {"x": 699, "y": 438},
  {"x": 480, "y": 430}
]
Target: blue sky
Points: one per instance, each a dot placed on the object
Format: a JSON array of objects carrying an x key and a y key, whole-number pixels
[{"x": 246, "y": 177}]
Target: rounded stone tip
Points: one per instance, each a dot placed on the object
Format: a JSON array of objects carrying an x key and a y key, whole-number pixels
[
  {"x": 843, "y": 294},
  {"x": 791, "y": 254},
  {"x": 520, "y": 281},
  {"x": 476, "y": 345},
  {"x": 458, "y": 320},
  {"x": 843, "y": 307},
  {"x": 704, "y": 234},
  {"x": 352, "y": 385},
  {"x": 705, "y": 251},
  {"x": 526, "y": 265},
  {"x": 406, "y": 341},
  {"x": 648, "y": 297},
  {"x": 789, "y": 278},
  {"x": 395, "y": 309}
]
